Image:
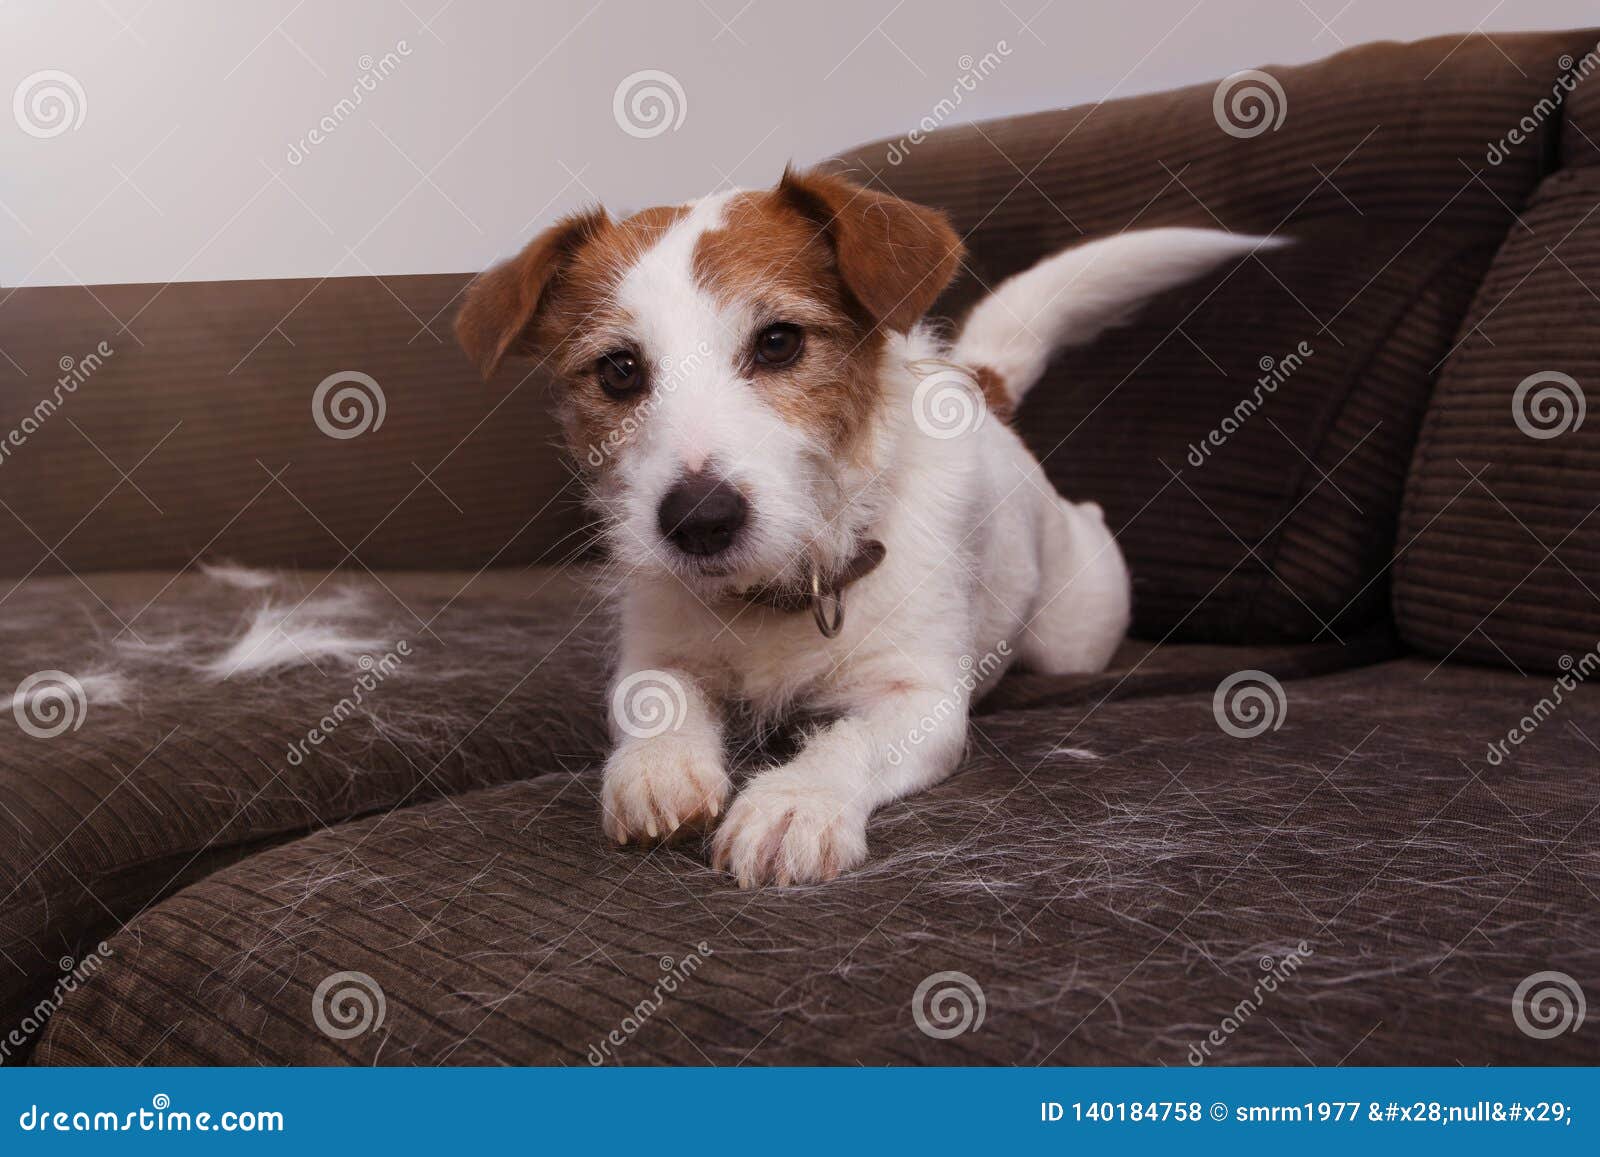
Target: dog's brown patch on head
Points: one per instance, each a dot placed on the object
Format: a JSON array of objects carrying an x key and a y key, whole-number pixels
[
  {"x": 845, "y": 264},
  {"x": 775, "y": 266},
  {"x": 556, "y": 300},
  {"x": 894, "y": 257}
]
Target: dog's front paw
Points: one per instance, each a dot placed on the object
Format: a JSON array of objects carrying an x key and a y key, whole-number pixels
[
  {"x": 661, "y": 787},
  {"x": 785, "y": 830}
]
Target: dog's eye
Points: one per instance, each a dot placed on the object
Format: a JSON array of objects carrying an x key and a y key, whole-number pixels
[
  {"x": 620, "y": 373},
  {"x": 778, "y": 345}
]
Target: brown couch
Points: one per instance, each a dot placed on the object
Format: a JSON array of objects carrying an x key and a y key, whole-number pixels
[{"x": 1116, "y": 867}]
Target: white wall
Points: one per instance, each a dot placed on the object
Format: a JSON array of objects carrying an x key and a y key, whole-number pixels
[{"x": 498, "y": 115}]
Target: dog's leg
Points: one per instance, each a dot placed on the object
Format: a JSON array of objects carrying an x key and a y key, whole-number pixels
[
  {"x": 1082, "y": 608},
  {"x": 667, "y": 772},
  {"x": 806, "y": 821}
]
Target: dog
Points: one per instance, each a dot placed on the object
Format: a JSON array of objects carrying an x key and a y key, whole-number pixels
[{"x": 818, "y": 504}]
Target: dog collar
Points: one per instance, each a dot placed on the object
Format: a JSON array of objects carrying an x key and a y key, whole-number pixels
[{"x": 822, "y": 595}]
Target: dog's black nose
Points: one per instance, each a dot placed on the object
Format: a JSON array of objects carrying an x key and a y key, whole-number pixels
[{"x": 702, "y": 514}]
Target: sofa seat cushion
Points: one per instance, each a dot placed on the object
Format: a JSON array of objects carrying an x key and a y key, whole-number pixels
[
  {"x": 128, "y": 769},
  {"x": 1500, "y": 536},
  {"x": 1120, "y": 900},
  {"x": 165, "y": 771}
]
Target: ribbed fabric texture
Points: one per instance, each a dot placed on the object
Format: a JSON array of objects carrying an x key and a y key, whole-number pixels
[
  {"x": 1377, "y": 171},
  {"x": 1500, "y": 541},
  {"x": 189, "y": 772},
  {"x": 213, "y": 392},
  {"x": 1107, "y": 914}
]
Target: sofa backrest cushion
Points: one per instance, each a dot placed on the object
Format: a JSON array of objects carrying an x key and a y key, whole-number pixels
[
  {"x": 1285, "y": 530},
  {"x": 210, "y": 395},
  {"x": 1499, "y": 549}
]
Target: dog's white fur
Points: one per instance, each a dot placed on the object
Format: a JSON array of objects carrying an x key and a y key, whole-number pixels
[{"x": 986, "y": 564}]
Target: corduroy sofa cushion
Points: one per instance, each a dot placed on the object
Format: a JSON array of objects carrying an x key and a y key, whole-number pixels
[
  {"x": 140, "y": 773},
  {"x": 1499, "y": 552},
  {"x": 1112, "y": 904},
  {"x": 1377, "y": 169},
  {"x": 162, "y": 774}
]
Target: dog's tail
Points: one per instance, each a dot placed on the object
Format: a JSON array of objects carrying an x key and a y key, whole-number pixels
[{"x": 1071, "y": 298}]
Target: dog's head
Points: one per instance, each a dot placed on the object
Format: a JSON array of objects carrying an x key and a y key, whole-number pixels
[{"x": 718, "y": 364}]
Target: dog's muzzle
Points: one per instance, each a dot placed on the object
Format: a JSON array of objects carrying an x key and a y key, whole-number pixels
[{"x": 702, "y": 514}]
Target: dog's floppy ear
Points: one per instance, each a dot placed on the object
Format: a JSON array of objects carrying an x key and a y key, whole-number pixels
[
  {"x": 497, "y": 316},
  {"x": 894, "y": 257}
]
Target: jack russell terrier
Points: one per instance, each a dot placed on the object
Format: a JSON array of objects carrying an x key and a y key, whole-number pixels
[{"x": 817, "y": 502}]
